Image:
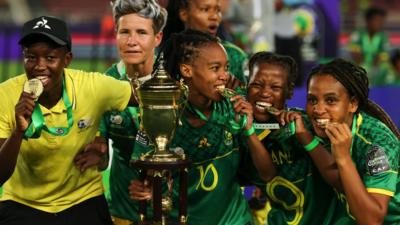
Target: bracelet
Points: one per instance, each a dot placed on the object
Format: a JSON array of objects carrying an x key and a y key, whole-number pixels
[
  {"x": 249, "y": 131},
  {"x": 312, "y": 145}
]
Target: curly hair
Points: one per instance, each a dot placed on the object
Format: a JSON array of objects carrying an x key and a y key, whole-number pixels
[{"x": 148, "y": 9}]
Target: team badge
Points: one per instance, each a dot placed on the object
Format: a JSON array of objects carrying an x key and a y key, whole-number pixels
[
  {"x": 116, "y": 119},
  {"x": 84, "y": 123},
  {"x": 377, "y": 161},
  {"x": 228, "y": 140}
]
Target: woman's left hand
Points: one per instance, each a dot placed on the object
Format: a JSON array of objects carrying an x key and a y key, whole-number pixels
[
  {"x": 340, "y": 137},
  {"x": 243, "y": 107}
]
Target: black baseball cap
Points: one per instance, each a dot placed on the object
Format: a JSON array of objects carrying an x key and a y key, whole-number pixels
[{"x": 53, "y": 28}]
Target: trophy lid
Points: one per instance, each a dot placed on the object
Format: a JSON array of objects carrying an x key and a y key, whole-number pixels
[{"x": 161, "y": 80}]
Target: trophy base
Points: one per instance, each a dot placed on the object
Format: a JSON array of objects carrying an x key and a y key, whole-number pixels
[
  {"x": 167, "y": 222},
  {"x": 164, "y": 156}
]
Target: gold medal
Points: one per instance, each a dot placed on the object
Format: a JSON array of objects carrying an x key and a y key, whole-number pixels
[
  {"x": 226, "y": 92},
  {"x": 33, "y": 86}
]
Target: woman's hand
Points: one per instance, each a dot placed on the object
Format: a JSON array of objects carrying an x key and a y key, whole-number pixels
[
  {"x": 140, "y": 190},
  {"x": 23, "y": 111},
  {"x": 243, "y": 107},
  {"x": 340, "y": 137}
]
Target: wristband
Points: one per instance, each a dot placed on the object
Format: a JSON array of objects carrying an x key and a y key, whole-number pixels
[
  {"x": 249, "y": 131},
  {"x": 312, "y": 145}
]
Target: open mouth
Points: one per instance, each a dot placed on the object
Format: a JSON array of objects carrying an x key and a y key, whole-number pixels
[
  {"x": 226, "y": 92},
  {"x": 44, "y": 79},
  {"x": 266, "y": 106},
  {"x": 212, "y": 29},
  {"x": 322, "y": 123}
]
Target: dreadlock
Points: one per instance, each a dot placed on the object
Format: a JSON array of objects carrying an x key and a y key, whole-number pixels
[
  {"x": 184, "y": 48},
  {"x": 354, "y": 79},
  {"x": 287, "y": 63}
]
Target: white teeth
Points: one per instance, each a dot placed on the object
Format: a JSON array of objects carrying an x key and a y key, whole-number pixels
[
  {"x": 322, "y": 122},
  {"x": 263, "y": 104},
  {"x": 221, "y": 87}
]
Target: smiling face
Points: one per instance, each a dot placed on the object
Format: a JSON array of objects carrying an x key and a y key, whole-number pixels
[
  {"x": 202, "y": 15},
  {"x": 46, "y": 63},
  {"x": 208, "y": 71},
  {"x": 328, "y": 99},
  {"x": 136, "y": 39},
  {"x": 268, "y": 86}
]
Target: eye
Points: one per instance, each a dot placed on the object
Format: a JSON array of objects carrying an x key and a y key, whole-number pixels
[
  {"x": 311, "y": 100},
  {"x": 227, "y": 67},
  {"x": 142, "y": 32},
  {"x": 255, "y": 85},
  {"x": 215, "y": 68},
  {"x": 331, "y": 101},
  {"x": 276, "y": 88},
  {"x": 204, "y": 9},
  {"x": 50, "y": 58}
]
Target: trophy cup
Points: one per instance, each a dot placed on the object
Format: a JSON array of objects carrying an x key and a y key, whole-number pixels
[{"x": 159, "y": 102}]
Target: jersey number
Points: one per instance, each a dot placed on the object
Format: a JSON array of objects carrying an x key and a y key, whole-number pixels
[
  {"x": 203, "y": 173},
  {"x": 296, "y": 206}
]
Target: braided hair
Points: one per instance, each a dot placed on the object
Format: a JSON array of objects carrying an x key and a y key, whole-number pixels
[
  {"x": 183, "y": 48},
  {"x": 287, "y": 63},
  {"x": 354, "y": 79}
]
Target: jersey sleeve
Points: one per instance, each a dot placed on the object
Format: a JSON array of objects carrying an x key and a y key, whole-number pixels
[
  {"x": 113, "y": 93},
  {"x": 5, "y": 127},
  {"x": 382, "y": 163}
]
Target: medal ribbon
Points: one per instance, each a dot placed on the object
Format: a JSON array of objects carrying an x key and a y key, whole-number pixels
[
  {"x": 38, "y": 124},
  {"x": 220, "y": 117}
]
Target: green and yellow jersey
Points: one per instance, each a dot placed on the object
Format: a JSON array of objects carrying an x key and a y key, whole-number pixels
[
  {"x": 214, "y": 194},
  {"x": 298, "y": 191},
  {"x": 375, "y": 152}
]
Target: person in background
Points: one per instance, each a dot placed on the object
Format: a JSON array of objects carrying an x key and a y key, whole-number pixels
[
  {"x": 369, "y": 46},
  {"x": 363, "y": 141},
  {"x": 208, "y": 135},
  {"x": 390, "y": 75},
  {"x": 139, "y": 25},
  {"x": 298, "y": 190},
  {"x": 205, "y": 16},
  {"x": 41, "y": 134}
]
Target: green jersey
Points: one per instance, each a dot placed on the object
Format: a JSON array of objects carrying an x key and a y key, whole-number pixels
[
  {"x": 237, "y": 59},
  {"x": 214, "y": 194},
  {"x": 121, "y": 128},
  {"x": 298, "y": 191},
  {"x": 375, "y": 152}
]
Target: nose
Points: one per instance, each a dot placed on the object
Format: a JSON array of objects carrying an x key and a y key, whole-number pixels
[
  {"x": 318, "y": 109},
  {"x": 225, "y": 75},
  {"x": 215, "y": 15},
  {"x": 266, "y": 92},
  {"x": 41, "y": 64},
  {"x": 131, "y": 41}
]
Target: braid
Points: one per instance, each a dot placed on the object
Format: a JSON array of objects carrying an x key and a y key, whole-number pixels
[
  {"x": 354, "y": 79},
  {"x": 183, "y": 48},
  {"x": 286, "y": 62}
]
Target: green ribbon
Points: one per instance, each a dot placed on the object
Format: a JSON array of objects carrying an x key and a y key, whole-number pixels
[
  {"x": 38, "y": 124},
  {"x": 221, "y": 116}
]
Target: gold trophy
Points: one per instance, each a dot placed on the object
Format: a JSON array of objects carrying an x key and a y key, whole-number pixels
[{"x": 160, "y": 102}]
